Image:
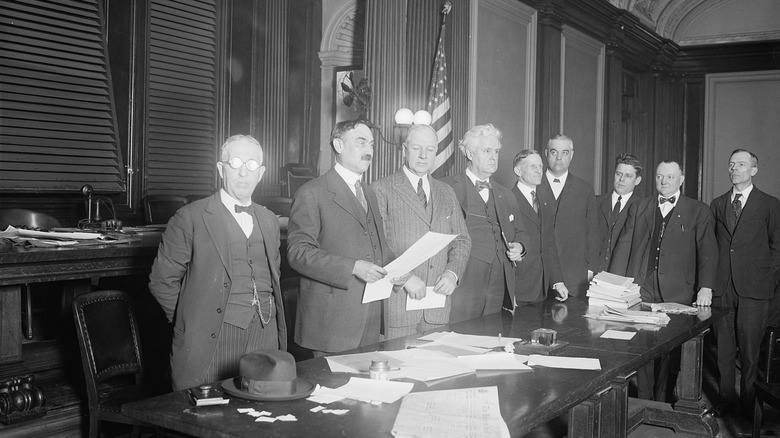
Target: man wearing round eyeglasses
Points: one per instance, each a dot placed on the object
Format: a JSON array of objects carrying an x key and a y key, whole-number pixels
[{"x": 216, "y": 274}]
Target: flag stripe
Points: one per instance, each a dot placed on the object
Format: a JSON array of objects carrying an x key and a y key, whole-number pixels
[{"x": 439, "y": 107}]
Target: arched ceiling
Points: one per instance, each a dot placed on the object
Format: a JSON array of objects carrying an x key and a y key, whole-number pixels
[{"x": 702, "y": 22}]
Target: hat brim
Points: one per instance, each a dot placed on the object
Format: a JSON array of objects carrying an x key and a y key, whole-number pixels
[{"x": 303, "y": 388}]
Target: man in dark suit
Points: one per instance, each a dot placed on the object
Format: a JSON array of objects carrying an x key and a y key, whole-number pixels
[
  {"x": 539, "y": 271},
  {"x": 747, "y": 229},
  {"x": 573, "y": 204},
  {"x": 216, "y": 274},
  {"x": 498, "y": 237},
  {"x": 411, "y": 204},
  {"x": 672, "y": 254},
  {"x": 613, "y": 207},
  {"x": 336, "y": 241}
]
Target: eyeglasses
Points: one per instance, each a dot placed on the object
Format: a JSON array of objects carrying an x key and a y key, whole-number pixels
[{"x": 236, "y": 163}]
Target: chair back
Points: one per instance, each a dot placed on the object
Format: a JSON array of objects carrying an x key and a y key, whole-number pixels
[
  {"x": 158, "y": 209},
  {"x": 769, "y": 362},
  {"x": 27, "y": 218},
  {"x": 278, "y": 204},
  {"x": 294, "y": 176},
  {"x": 108, "y": 339}
]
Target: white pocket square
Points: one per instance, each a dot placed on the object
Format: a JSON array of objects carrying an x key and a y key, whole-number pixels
[{"x": 511, "y": 217}]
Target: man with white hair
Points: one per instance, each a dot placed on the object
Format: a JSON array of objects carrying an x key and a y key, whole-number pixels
[{"x": 498, "y": 238}]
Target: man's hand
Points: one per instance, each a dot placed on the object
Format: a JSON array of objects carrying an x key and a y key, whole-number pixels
[
  {"x": 590, "y": 275},
  {"x": 704, "y": 297},
  {"x": 563, "y": 291},
  {"x": 415, "y": 287},
  {"x": 445, "y": 284},
  {"x": 515, "y": 252},
  {"x": 368, "y": 271},
  {"x": 400, "y": 281}
]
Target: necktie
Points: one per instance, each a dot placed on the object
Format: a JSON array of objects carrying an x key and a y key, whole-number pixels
[
  {"x": 616, "y": 210},
  {"x": 361, "y": 196},
  {"x": 535, "y": 201},
  {"x": 669, "y": 200},
  {"x": 736, "y": 210},
  {"x": 482, "y": 185},
  {"x": 421, "y": 193},
  {"x": 242, "y": 209}
]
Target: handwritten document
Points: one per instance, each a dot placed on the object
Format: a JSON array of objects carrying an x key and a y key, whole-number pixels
[
  {"x": 469, "y": 412},
  {"x": 425, "y": 248}
]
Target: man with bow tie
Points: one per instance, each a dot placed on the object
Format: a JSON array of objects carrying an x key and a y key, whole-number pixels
[
  {"x": 747, "y": 229},
  {"x": 498, "y": 238},
  {"x": 411, "y": 204},
  {"x": 671, "y": 252},
  {"x": 216, "y": 274}
]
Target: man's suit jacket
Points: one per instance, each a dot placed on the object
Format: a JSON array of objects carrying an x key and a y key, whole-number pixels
[
  {"x": 688, "y": 256},
  {"x": 191, "y": 279},
  {"x": 508, "y": 215},
  {"x": 752, "y": 254},
  {"x": 575, "y": 220},
  {"x": 406, "y": 220},
  {"x": 607, "y": 233},
  {"x": 326, "y": 236},
  {"x": 540, "y": 268}
]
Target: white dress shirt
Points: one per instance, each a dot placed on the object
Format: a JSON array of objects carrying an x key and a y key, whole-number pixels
[
  {"x": 244, "y": 219},
  {"x": 623, "y": 200},
  {"x": 666, "y": 207},
  {"x": 557, "y": 187},
  {"x": 414, "y": 179},
  {"x": 484, "y": 193}
]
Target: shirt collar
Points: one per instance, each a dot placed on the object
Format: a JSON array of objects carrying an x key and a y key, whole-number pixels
[
  {"x": 229, "y": 202},
  {"x": 624, "y": 198},
  {"x": 347, "y": 175},
  {"x": 525, "y": 190},
  {"x": 676, "y": 196},
  {"x": 745, "y": 193},
  {"x": 473, "y": 177},
  {"x": 551, "y": 177},
  {"x": 413, "y": 178}
]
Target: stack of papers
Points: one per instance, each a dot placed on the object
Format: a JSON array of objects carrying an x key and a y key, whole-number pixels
[
  {"x": 673, "y": 308},
  {"x": 632, "y": 316},
  {"x": 613, "y": 290},
  {"x": 367, "y": 390}
]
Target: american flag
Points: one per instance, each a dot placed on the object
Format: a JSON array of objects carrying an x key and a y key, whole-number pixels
[{"x": 439, "y": 107}]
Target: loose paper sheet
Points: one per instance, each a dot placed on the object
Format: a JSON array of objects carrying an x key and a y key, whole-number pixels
[
  {"x": 425, "y": 248},
  {"x": 368, "y": 390},
  {"x": 458, "y": 339},
  {"x": 432, "y": 300},
  {"x": 575, "y": 363},
  {"x": 470, "y": 412},
  {"x": 617, "y": 334},
  {"x": 496, "y": 361}
]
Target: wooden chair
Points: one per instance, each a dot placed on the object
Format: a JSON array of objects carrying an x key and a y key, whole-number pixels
[
  {"x": 158, "y": 209},
  {"x": 19, "y": 217},
  {"x": 111, "y": 357},
  {"x": 278, "y": 204},
  {"x": 767, "y": 386},
  {"x": 293, "y": 176}
]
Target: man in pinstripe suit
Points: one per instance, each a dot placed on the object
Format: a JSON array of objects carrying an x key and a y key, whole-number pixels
[{"x": 411, "y": 204}]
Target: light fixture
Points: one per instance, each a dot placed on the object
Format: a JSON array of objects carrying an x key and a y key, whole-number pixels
[
  {"x": 404, "y": 116},
  {"x": 422, "y": 117}
]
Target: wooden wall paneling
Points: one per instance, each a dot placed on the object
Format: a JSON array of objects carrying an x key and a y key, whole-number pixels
[
  {"x": 694, "y": 131},
  {"x": 385, "y": 59},
  {"x": 271, "y": 94},
  {"x": 548, "y": 73},
  {"x": 614, "y": 132},
  {"x": 239, "y": 68},
  {"x": 668, "y": 129}
]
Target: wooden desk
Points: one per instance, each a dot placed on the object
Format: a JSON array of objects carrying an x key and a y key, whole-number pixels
[{"x": 597, "y": 401}]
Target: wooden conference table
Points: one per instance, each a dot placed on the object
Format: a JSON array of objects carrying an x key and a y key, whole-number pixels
[{"x": 596, "y": 401}]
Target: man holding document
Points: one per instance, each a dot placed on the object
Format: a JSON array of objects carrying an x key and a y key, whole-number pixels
[
  {"x": 411, "y": 204},
  {"x": 336, "y": 241}
]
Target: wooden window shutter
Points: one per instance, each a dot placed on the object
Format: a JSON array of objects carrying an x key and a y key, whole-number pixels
[
  {"x": 57, "y": 120},
  {"x": 181, "y": 122}
]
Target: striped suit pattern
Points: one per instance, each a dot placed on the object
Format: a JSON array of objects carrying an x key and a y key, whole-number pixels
[{"x": 406, "y": 220}]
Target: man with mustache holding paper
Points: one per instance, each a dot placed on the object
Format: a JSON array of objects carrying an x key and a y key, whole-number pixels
[{"x": 336, "y": 241}]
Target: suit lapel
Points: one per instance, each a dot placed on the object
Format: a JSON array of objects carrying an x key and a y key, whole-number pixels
[
  {"x": 461, "y": 185},
  {"x": 267, "y": 230},
  {"x": 749, "y": 210},
  {"x": 526, "y": 208},
  {"x": 403, "y": 188},
  {"x": 606, "y": 207},
  {"x": 344, "y": 198},
  {"x": 217, "y": 230}
]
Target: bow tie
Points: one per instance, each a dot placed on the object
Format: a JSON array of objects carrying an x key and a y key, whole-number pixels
[
  {"x": 242, "y": 209},
  {"x": 669, "y": 200},
  {"x": 482, "y": 185}
]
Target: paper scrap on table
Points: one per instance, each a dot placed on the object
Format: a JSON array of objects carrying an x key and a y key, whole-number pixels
[
  {"x": 324, "y": 395},
  {"x": 451, "y": 413},
  {"x": 265, "y": 420},
  {"x": 453, "y": 338},
  {"x": 575, "y": 363},
  {"x": 287, "y": 417},
  {"x": 432, "y": 300},
  {"x": 496, "y": 361},
  {"x": 618, "y": 334},
  {"x": 384, "y": 391},
  {"x": 425, "y": 248}
]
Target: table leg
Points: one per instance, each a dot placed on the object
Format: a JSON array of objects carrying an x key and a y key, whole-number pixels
[
  {"x": 595, "y": 417},
  {"x": 10, "y": 324}
]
